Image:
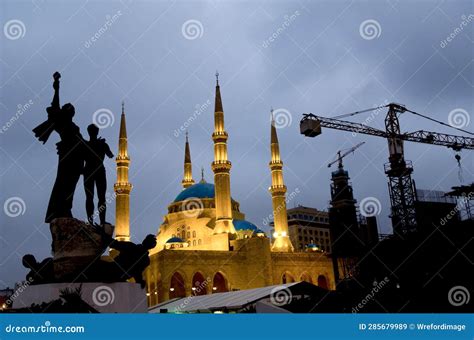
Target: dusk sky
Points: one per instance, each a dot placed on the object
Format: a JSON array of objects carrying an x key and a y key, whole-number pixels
[{"x": 324, "y": 57}]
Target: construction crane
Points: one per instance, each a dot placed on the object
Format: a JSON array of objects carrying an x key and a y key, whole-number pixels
[
  {"x": 341, "y": 156},
  {"x": 398, "y": 170}
]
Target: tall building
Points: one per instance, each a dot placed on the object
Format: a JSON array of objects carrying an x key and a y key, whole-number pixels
[
  {"x": 309, "y": 227},
  {"x": 434, "y": 209},
  {"x": 122, "y": 187},
  {"x": 350, "y": 234},
  {"x": 205, "y": 244},
  {"x": 343, "y": 216}
]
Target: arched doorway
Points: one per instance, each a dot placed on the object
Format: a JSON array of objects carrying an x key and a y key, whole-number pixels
[
  {"x": 177, "y": 286},
  {"x": 287, "y": 278},
  {"x": 199, "y": 284},
  {"x": 306, "y": 277},
  {"x": 322, "y": 282},
  {"x": 219, "y": 284}
]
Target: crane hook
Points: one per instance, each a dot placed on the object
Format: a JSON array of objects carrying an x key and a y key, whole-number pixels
[{"x": 460, "y": 174}]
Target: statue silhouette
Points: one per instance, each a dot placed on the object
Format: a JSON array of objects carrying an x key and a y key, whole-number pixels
[
  {"x": 94, "y": 173},
  {"x": 131, "y": 261},
  {"x": 41, "y": 272},
  {"x": 133, "y": 258},
  {"x": 70, "y": 151}
]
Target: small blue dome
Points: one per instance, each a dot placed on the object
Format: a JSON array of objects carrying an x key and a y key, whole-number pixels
[
  {"x": 259, "y": 231},
  {"x": 199, "y": 190},
  {"x": 244, "y": 225},
  {"x": 175, "y": 240}
]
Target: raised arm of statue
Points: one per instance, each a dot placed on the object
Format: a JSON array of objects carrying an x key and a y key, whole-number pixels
[
  {"x": 44, "y": 130},
  {"x": 55, "y": 103}
]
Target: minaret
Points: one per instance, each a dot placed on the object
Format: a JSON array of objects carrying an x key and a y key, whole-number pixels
[
  {"x": 281, "y": 241},
  {"x": 221, "y": 168},
  {"x": 188, "y": 168},
  {"x": 122, "y": 187}
]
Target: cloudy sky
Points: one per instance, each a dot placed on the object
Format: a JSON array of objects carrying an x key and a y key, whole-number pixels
[{"x": 325, "y": 57}]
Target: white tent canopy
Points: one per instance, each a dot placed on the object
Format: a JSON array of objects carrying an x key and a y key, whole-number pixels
[{"x": 282, "y": 294}]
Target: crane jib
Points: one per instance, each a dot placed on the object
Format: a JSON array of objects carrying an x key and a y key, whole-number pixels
[{"x": 311, "y": 126}]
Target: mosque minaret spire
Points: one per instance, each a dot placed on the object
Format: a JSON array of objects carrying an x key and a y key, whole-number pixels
[
  {"x": 282, "y": 242},
  {"x": 188, "y": 167},
  {"x": 221, "y": 168}
]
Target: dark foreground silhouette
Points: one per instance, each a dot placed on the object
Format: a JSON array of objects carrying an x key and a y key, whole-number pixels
[
  {"x": 70, "y": 151},
  {"x": 94, "y": 173}
]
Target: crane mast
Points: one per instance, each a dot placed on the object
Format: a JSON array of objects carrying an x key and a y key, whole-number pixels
[{"x": 400, "y": 184}]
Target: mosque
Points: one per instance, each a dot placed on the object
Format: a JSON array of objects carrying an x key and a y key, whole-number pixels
[{"x": 205, "y": 245}]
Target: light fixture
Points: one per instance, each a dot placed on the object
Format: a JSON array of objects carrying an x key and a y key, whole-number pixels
[
  {"x": 214, "y": 288},
  {"x": 171, "y": 289},
  {"x": 193, "y": 288}
]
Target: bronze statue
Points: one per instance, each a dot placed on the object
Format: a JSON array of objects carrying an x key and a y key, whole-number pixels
[
  {"x": 40, "y": 272},
  {"x": 131, "y": 261},
  {"x": 94, "y": 173},
  {"x": 70, "y": 152}
]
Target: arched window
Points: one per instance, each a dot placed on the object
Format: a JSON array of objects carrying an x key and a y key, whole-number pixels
[
  {"x": 306, "y": 277},
  {"x": 199, "y": 242},
  {"x": 199, "y": 284},
  {"x": 183, "y": 234},
  {"x": 177, "y": 286},
  {"x": 219, "y": 284},
  {"x": 189, "y": 234},
  {"x": 194, "y": 242},
  {"x": 322, "y": 282},
  {"x": 194, "y": 233},
  {"x": 287, "y": 278}
]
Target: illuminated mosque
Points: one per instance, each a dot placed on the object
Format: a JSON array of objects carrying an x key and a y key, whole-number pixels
[{"x": 204, "y": 244}]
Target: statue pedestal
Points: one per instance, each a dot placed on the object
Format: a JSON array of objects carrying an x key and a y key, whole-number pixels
[
  {"x": 75, "y": 246},
  {"x": 117, "y": 297}
]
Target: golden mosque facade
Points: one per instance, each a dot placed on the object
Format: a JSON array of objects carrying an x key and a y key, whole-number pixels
[{"x": 205, "y": 245}]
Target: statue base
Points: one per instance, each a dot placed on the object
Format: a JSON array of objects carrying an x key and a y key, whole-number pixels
[
  {"x": 117, "y": 297},
  {"x": 76, "y": 245}
]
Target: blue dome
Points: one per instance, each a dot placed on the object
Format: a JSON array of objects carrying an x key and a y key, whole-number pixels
[
  {"x": 199, "y": 190},
  {"x": 175, "y": 240},
  {"x": 244, "y": 225}
]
